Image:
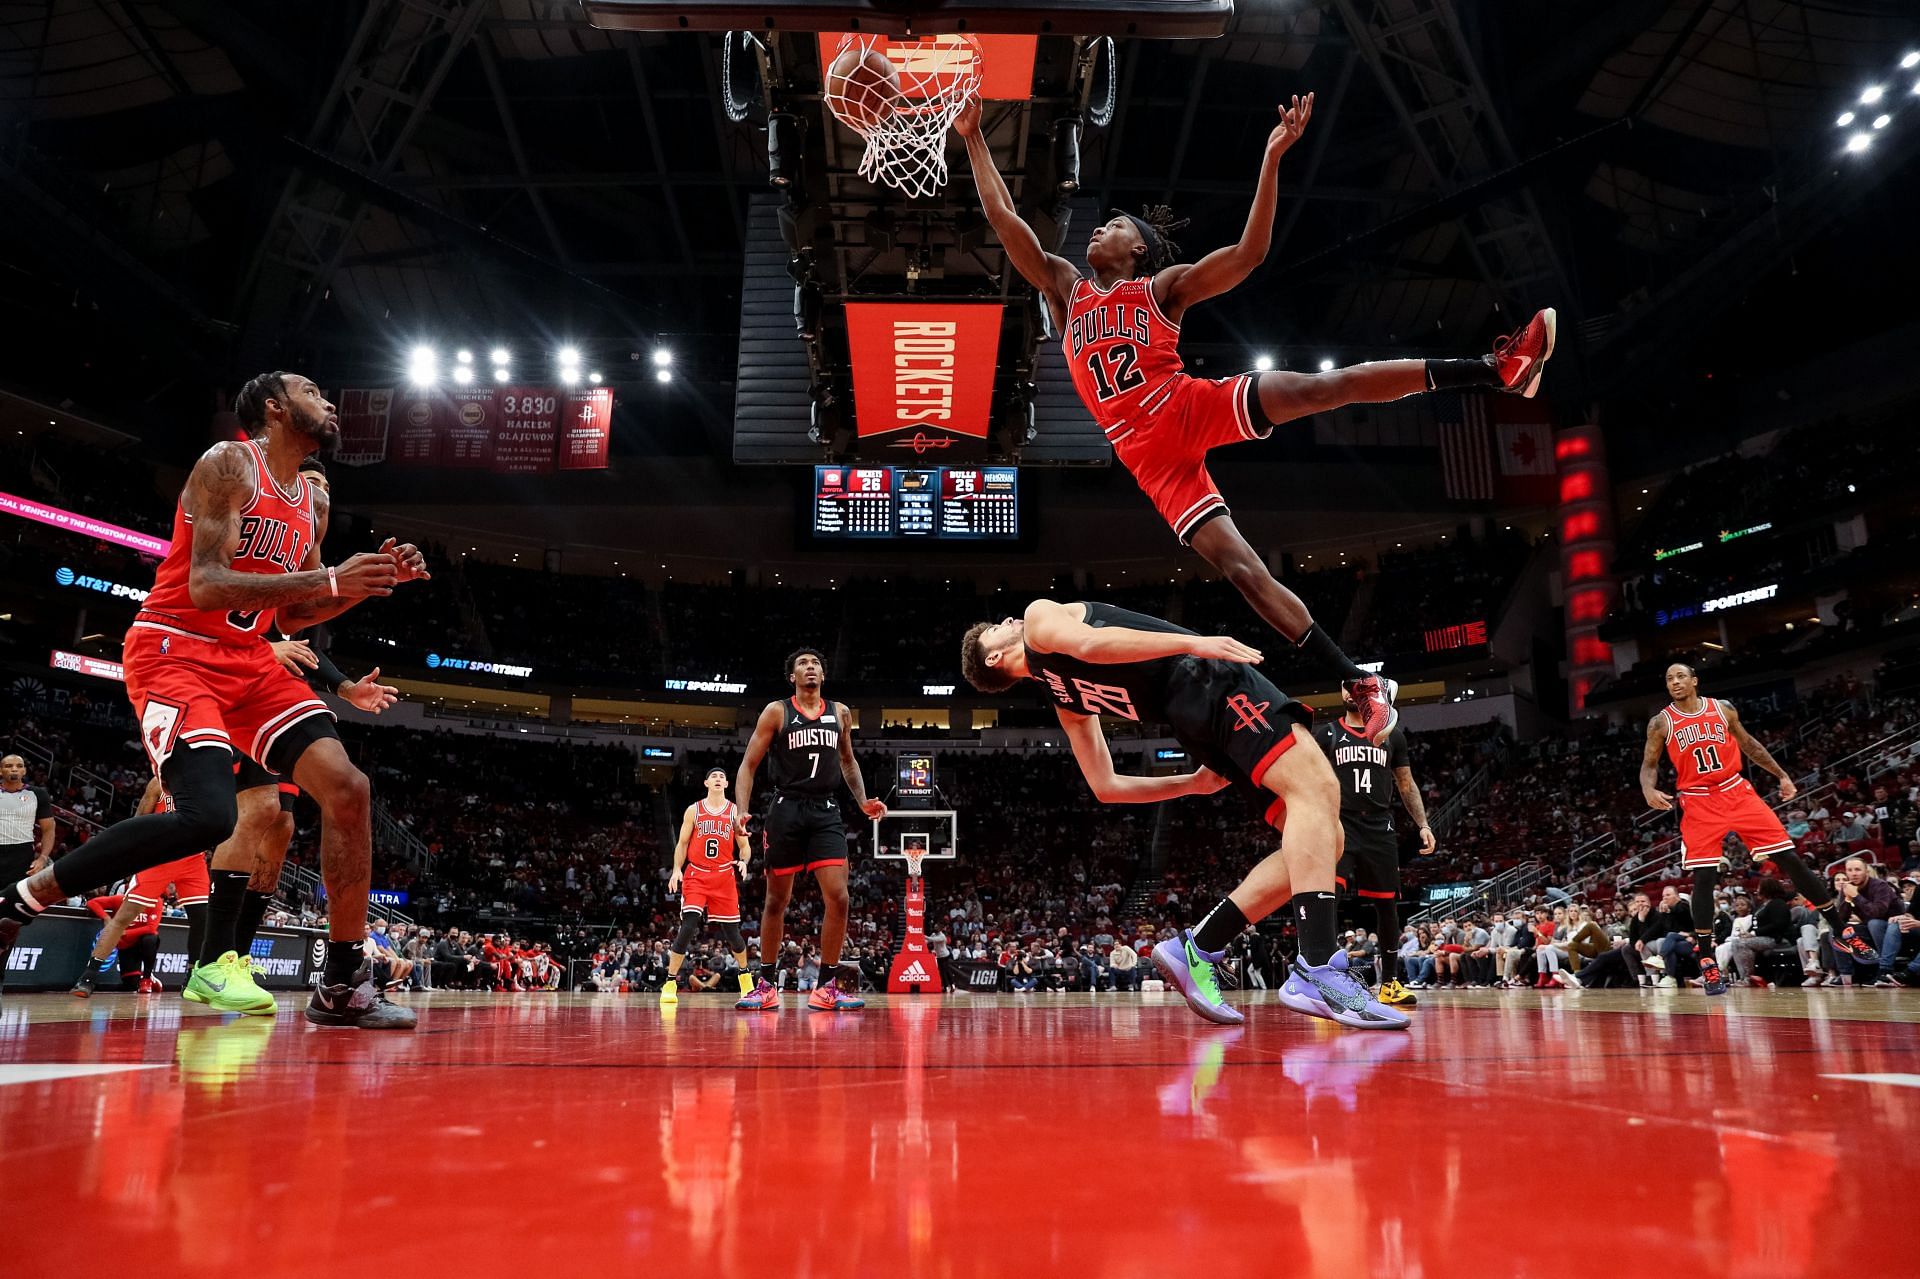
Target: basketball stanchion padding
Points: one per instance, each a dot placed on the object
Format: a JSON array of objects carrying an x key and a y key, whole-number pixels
[{"x": 915, "y": 970}]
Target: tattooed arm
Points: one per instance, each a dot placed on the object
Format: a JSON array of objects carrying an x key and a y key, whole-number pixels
[{"x": 850, "y": 769}]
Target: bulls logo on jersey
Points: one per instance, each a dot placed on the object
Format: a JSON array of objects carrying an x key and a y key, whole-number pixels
[
  {"x": 713, "y": 836},
  {"x": 1121, "y": 349},
  {"x": 1702, "y": 748}
]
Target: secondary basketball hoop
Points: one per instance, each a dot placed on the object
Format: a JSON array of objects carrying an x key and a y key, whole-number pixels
[{"x": 901, "y": 97}]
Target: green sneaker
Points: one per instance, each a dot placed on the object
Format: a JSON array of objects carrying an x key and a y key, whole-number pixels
[{"x": 226, "y": 985}]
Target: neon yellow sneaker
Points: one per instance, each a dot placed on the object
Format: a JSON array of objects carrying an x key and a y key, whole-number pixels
[
  {"x": 1394, "y": 995},
  {"x": 226, "y": 985},
  {"x": 670, "y": 993}
]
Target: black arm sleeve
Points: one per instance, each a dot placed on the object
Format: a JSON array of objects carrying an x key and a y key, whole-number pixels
[
  {"x": 326, "y": 677},
  {"x": 42, "y": 806}
]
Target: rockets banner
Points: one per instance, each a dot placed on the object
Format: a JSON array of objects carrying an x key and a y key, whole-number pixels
[{"x": 923, "y": 374}]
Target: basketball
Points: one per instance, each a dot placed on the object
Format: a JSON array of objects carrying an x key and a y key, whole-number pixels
[{"x": 863, "y": 87}]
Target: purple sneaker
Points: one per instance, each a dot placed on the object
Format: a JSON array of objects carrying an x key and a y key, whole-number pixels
[
  {"x": 1189, "y": 970},
  {"x": 1328, "y": 990}
]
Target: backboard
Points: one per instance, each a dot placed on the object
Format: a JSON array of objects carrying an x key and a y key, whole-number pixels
[
  {"x": 934, "y": 833},
  {"x": 1146, "y": 19}
]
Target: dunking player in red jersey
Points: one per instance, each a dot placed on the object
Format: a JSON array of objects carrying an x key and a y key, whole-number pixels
[
  {"x": 1121, "y": 330},
  {"x": 204, "y": 685},
  {"x": 1706, "y": 741},
  {"x": 710, "y": 851}
]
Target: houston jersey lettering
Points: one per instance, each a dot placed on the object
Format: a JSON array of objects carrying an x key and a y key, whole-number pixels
[
  {"x": 276, "y": 532},
  {"x": 713, "y": 838},
  {"x": 1705, "y": 756},
  {"x": 1121, "y": 349}
]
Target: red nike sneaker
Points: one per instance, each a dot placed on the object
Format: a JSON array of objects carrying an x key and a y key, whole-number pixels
[
  {"x": 1376, "y": 694},
  {"x": 1522, "y": 355},
  {"x": 764, "y": 997},
  {"x": 1852, "y": 939},
  {"x": 151, "y": 986}
]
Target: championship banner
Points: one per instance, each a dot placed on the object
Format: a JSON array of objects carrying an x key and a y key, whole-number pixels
[
  {"x": 413, "y": 428},
  {"x": 466, "y": 438},
  {"x": 363, "y": 426},
  {"x": 588, "y": 430},
  {"x": 526, "y": 430},
  {"x": 923, "y": 373}
]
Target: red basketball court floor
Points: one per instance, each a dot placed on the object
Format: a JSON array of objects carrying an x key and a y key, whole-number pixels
[{"x": 1603, "y": 1133}]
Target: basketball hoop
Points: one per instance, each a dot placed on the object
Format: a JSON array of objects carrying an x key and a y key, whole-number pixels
[
  {"x": 914, "y": 848},
  {"x": 903, "y": 119}
]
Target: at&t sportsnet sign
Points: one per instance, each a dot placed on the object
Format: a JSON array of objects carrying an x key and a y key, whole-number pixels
[
  {"x": 476, "y": 667},
  {"x": 923, "y": 374}
]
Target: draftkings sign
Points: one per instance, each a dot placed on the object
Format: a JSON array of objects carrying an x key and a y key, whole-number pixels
[{"x": 923, "y": 375}]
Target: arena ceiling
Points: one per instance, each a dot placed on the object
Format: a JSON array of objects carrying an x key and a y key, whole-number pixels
[{"x": 202, "y": 187}]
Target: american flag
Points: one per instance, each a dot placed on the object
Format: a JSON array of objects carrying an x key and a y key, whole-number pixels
[{"x": 1466, "y": 449}]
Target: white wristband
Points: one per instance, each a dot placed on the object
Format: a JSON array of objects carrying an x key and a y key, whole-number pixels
[{"x": 333, "y": 583}]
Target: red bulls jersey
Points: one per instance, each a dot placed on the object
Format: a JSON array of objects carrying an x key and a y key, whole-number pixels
[
  {"x": 276, "y": 531},
  {"x": 1121, "y": 349},
  {"x": 712, "y": 845},
  {"x": 1705, "y": 756}
]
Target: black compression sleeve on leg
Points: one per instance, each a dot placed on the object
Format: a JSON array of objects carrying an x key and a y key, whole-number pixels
[
  {"x": 196, "y": 931},
  {"x": 200, "y": 780},
  {"x": 1460, "y": 375},
  {"x": 223, "y": 914},
  {"x": 1705, "y": 880},
  {"x": 146, "y": 954},
  {"x": 689, "y": 928},
  {"x": 252, "y": 911},
  {"x": 1817, "y": 891},
  {"x": 1320, "y": 647},
  {"x": 735, "y": 939},
  {"x": 1386, "y": 915}
]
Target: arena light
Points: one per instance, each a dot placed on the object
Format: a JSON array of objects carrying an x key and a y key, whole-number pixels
[
  {"x": 1263, "y": 362},
  {"x": 463, "y": 373},
  {"x": 663, "y": 376},
  {"x": 423, "y": 355},
  {"x": 1326, "y": 365},
  {"x": 570, "y": 374},
  {"x": 569, "y": 356},
  {"x": 1859, "y": 142},
  {"x": 1872, "y": 94},
  {"x": 1882, "y": 121},
  {"x": 594, "y": 377},
  {"x": 499, "y": 356},
  {"x": 1846, "y": 118},
  {"x": 1911, "y": 61},
  {"x": 662, "y": 357},
  {"x": 463, "y": 356},
  {"x": 500, "y": 373}
]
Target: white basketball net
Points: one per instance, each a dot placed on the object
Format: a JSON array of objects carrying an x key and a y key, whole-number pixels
[
  {"x": 914, "y": 849},
  {"x": 907, "y": 147}
]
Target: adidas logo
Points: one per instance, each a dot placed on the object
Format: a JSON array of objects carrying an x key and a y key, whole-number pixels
[{"x": 914, "y": 972}]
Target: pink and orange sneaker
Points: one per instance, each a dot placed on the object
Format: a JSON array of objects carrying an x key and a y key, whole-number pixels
[
  {"x": 764, "y": 997},
  {"x": 1522, "y": 355},
  {"x": 829, "y": 998}
]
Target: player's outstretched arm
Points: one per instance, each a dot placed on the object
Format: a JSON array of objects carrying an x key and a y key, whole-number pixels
[
  {"x": 220, "y": 486},
  {"x": 1179, "y": 287},
  {"x": 850, "y": 769},
  {"x": 1751, "y": 747},
  {"x": 763, "y": 730},
  {"x": 1059, "y": 628},
  {"x": 1650, "y": 764},
  {"x": 1090, "y": 751},
  {"x": 1053, "y": 275}
]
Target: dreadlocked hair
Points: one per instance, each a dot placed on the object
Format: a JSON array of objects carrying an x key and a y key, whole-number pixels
[{"x": 1160, "y": 218}]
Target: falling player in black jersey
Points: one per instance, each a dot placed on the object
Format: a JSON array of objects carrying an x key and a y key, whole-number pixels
[
  {"x": 1096, "y": 660},
  {"x": 809, "y": 753},
  {"x": 1370, "y": 865}
]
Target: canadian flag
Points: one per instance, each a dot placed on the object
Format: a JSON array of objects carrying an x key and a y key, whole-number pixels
[{"x": 1526, "y": 448}]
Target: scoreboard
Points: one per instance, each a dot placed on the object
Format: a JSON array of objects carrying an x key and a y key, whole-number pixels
[
  {"x": 915, "y": 786},
  {"x": 957, "y": 503}
]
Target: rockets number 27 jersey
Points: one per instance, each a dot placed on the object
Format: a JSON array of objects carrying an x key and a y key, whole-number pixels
[
  {"x": 1705, "y": 756},
  {"x": 1121, "y": 349},
  {"x": 712, "y": 845},
  {"x": 276, "y": 532}
]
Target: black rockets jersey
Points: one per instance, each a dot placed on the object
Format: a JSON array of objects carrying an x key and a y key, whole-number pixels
[
  {"x": 805, "y": 756},
  {"x": 1365, "y": 771},
  {"x": 1123, "y": 690}
]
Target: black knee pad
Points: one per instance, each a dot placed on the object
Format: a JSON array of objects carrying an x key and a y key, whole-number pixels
[
  {"x": 1705, "y": 880},
  {"x": 199, "y": 784},
  {"x": 689, "y": 926}
]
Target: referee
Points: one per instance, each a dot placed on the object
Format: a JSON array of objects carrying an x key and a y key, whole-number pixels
[{"x": 26, "y": 832}]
